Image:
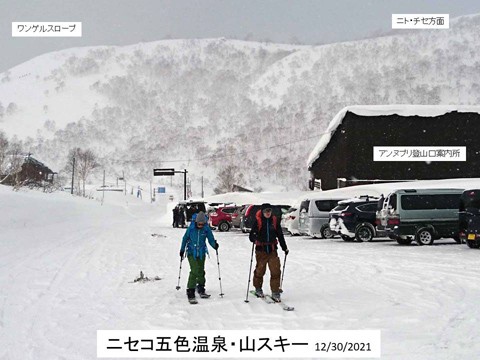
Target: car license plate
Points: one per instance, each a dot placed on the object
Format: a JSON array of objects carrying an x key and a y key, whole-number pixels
[{"x": 471, "y": 236}]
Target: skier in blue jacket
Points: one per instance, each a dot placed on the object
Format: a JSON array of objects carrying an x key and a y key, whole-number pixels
[{"x": 195, "y": 247}]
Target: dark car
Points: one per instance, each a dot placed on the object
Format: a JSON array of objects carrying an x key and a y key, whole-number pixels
[
  {"x": 251, "y": 211},
  {"x": 355, "y": 219},
  {"x": 237, "y": 216},
  {"x": 191, "y": 207},
  {"x": 469, "y": 218}
]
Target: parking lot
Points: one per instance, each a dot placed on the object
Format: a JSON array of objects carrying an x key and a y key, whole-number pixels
[{"x": 424, "y": 299}]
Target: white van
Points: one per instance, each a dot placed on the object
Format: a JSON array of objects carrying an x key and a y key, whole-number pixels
[
  {"x": 303, "y": 221},
  {"x": 318, "y": 216}
]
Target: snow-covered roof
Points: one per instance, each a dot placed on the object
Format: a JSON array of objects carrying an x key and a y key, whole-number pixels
[
  {"x": 376, "y": 190},
  {"x": 379, "y": 110},
  {"x": 242, "y": 198},
  {"x": 372, "y": 190},
  {"x": 22, "y": 159},
  {"x": 359, "y": 200},
  {"x": 191, "y": 201}
]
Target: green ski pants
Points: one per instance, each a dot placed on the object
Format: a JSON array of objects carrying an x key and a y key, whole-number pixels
[{"x": 197, "y": 272}]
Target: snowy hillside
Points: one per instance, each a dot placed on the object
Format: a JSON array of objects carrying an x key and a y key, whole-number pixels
[
  {"x": 68, "y": 265},
  {"x": 206, "y": 104}
]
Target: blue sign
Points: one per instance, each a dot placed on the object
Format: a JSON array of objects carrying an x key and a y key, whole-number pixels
[{"x": 161, "y": 190}]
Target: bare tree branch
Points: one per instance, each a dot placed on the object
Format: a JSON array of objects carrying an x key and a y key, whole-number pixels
[{"x": 228, "y": 177}]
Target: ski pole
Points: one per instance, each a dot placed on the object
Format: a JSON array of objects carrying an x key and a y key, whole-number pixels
[
  {"x": 219, "y": 277},
  {"x": 283, "y": 272},
  {"x": 250, "y": 272},
  {"x": 179, "y": 273},
  {"x": 181, "y": 259}
]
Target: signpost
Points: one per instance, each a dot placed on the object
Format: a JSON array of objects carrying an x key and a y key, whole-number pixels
[{"x": 171, "y": 172}]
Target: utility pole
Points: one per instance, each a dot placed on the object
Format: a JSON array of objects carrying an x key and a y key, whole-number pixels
[
  {"x": 184, "y": 184},
  {"x": 73, "y": 174},
  {"x": 125, "y": 182},
  {"x": 103, "y": 187},
  {"x": 202, "y": 187},
  {"x": 151, "y": 196}
]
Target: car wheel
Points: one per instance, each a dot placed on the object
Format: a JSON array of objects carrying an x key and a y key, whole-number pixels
[
  {"x": 424, "y": 236},
  {"x": 457, "y": 239},
  {"x": 364, "y": 233},
  {"x": 224, "y": 226},
  {"x": 404, "y": 241},
  {"x": 347, "y": 238},
  {"x": 326, "y": 232},
  {"x": 472, "y": 244}
]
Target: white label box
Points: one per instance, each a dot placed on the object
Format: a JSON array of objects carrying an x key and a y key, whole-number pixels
[
  {"x": 46, "y": 29},
  {"x": 420, "y": 153}
]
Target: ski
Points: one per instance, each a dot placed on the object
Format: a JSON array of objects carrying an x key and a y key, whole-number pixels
[
  {"x": 264, "y": 298},
  {"x": 282, "y": 304}
]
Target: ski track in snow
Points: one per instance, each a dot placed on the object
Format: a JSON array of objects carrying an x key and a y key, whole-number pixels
[{"x": 63, "y": 280}]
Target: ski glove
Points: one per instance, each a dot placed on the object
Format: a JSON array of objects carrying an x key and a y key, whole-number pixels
[
  {"x": 182, "y": 253},
  {"x": 216, "y": 246}
]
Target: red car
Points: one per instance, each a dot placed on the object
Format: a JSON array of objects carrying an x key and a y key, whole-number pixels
[{"x": 222, "y": 218}]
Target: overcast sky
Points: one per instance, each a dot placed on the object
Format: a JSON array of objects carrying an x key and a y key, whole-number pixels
[{"x": 122, "y": 22}]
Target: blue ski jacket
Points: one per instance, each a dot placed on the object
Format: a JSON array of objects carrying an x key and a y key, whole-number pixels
[{"x": 195, "y": 238}]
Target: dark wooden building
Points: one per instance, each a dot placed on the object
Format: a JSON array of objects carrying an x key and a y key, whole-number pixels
[
  {"x": 238, "y": 188},
  {"x": 346, "y": 149},
  {"x": 32, "y": 171}
]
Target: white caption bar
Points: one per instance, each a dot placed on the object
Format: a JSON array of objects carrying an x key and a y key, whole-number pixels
[
  {"x": 419, "y": 153},
  {"x": 46, "y": 29},
  {"x": 420, "y": 21},
  {"x": 277, "y": 344}
]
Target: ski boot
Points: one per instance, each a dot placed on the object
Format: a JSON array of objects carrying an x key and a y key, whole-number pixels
[
  {"x": 191, "y": 296},
  {"x": 259, "y": 293},
  {"x": 276, "y": 296},
  {"x": 201, "y": 292}
]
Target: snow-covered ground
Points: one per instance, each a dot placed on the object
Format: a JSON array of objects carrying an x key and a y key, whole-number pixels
[{"x": 67, "y": 266}]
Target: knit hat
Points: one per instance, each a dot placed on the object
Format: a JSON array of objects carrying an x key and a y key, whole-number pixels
[
  {"x": 266, "y": 206},
  {"x": 201, "y": 218}
]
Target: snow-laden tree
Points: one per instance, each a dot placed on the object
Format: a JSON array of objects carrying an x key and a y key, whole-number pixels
[
  {"x": 11, "y": 108},
  {"x": 71, "y": 166},
  {"x": 87, "y": 162},
  {"x": 227, "y": 177},
  {"x": 3, "y": 152},
  {"x": 16, "y": 158},
  {"x": 82, "y": 163}
]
